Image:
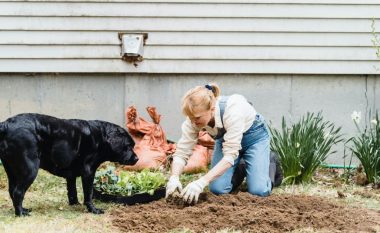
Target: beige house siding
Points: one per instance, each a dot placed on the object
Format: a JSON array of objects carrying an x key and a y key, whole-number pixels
[
  {"x": 204, "y": 36},
  {"x": 288, "y": 57}
]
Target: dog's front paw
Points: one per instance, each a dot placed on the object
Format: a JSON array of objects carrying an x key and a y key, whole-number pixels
[
  {"x": 25, "y": 210},
  {"x": 23, "y": 213},
  {"x": 97, "y": 211},
  {"x": 91, "y": 208}
]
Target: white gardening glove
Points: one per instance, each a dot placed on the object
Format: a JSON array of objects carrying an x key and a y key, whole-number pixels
[
  {"x": 192, "y": 190},
  {"x": 173, "y": 185}
]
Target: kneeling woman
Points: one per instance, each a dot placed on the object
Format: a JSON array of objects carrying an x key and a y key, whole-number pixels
[{"x": 241, "y": 134}]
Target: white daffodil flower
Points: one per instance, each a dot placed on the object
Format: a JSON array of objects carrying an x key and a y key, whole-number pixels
[
  {"x": 356, "y": 116},
  {"x": 297, "y": 145},
  {"x": 374, "y": 121}
]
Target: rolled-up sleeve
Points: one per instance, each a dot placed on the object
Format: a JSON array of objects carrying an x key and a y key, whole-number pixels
[{"x": 187, "y": 142}]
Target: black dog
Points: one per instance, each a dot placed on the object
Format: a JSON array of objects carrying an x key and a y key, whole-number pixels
[{"x": 66, "y": 148}]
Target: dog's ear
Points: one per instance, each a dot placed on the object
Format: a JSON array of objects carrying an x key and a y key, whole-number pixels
[
  {"x": 113, "y": 137},
  {"x": 114, "y": 140}
]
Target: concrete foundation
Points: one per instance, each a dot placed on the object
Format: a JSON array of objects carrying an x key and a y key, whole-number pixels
[{"x": 106, "y": 97}]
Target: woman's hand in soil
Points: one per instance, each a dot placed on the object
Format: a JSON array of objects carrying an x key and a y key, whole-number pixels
[
  {"x": 192, "y": 190},
  {"x": 173, "y": 185}
]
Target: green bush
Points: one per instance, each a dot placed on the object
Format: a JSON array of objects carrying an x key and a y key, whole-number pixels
[
  {"x": 304, "y": 146},
  {"x": 366, "y": 146}
]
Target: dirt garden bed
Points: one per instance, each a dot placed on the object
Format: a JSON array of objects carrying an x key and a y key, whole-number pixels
[{"x": 242, "y": 211}]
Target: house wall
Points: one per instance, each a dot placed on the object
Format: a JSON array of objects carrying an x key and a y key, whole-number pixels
[
  {"x": 196, "y": 36},
  {"x": 62, "y": 57}
]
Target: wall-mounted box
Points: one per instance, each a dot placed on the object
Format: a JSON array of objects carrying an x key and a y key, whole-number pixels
[{"x": 132, "y": 45}]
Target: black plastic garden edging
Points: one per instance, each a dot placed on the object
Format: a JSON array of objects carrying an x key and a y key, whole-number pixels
[{"x": 130, "y": 200}]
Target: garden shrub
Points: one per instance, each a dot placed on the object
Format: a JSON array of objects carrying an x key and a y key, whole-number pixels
[
  {"x": 304, "y": 146},
  {"x": 366, "y": 146}
]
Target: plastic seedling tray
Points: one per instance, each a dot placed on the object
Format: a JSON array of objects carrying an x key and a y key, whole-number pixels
[{"x": 130, "y": 200}]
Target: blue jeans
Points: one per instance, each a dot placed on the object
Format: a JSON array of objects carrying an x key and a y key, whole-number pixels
[{"x": 255, "y": 152}]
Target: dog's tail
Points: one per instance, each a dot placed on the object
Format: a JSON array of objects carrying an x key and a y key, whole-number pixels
[
  {"x": 2, "y": 129},
  {"x": 3, "y": 143}
]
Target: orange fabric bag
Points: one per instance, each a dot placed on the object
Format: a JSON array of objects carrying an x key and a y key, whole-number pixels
[
  {"x": 137, "y": 126},
  {"x": 151, "y": 145},
  {"x": 202, "y": 153}
]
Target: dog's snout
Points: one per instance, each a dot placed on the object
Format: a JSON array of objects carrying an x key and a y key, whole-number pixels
[
  {"x": 131, "y": 158},
  {"x": 135, "y": 159}
]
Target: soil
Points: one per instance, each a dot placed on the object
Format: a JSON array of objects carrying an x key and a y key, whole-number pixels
[
  {"x": 176, "y": 200},
  {"x": 242, "y": 211}
]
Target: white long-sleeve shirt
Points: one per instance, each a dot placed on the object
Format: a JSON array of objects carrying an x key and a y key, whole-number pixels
[{"x": 237, "y": 119}]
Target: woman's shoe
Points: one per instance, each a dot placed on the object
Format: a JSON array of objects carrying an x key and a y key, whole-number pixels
[{"x": 275, "y": 170}]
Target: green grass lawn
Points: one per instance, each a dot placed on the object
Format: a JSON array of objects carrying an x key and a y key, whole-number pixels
[
  {"x": 51, "y": 213},
  {"x": 47, "y": 197}
]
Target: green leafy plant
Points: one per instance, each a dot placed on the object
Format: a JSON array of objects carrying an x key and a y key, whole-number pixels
[
  {"x": 304, "y": 146},
  {"x": 366, "y": 146},
  {"x": 126, "y": 183}
]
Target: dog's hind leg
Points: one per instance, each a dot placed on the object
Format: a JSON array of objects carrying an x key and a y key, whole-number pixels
[
  {"x": 21, "y": 163},
  {"x": 22, "y": 181},
  {"x": 19, "y": 194},
  {"x": 11, "y": 179},
  {"x": 12, "y": 184},
  {"x": 72, "y": 191}
]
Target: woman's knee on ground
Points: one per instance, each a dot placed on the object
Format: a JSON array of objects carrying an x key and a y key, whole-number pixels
[
  {"x": 220, "y": 187},
  {"x": 259, "y": 190}
]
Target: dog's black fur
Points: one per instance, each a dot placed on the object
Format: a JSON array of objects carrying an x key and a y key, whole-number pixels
[{"x": 66, "y": 148}]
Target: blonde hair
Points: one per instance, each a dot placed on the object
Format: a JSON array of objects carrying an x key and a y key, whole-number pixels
[{"x": 200, "y": 97}]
